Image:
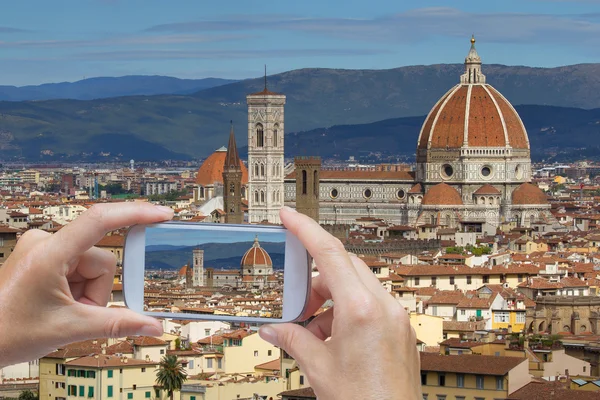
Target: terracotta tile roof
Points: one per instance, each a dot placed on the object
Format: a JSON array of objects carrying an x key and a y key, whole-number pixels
[
  {"x": 238, "y": 334},
  {"x": 111, "y": 241},
  {"x": 476, "y": 302},
  {"x": 362, "y": 175},
  {"x": 542, "y": 390},
  {"x": 8, "y": 229},
  {"x": 573, "y": 282},
  {"x": 487, "y": 189},
  {"x": 485, "y": 123},
  {"x": 447, "y": 297},
  {"x": 146, "y": 341},
  {"x": 528, "y": 193},
  {"x": 469, "y": 364},
  {"x": 448, "y": 130},
  {"x": 123, "y": 347},
  {"x": 461, "y": 344},
  {"x": 79, "y": 349},
  {"x": 442, "y": 194},
  {"x": 517, "y": 137},
  {"x": 462, "y": 326},
  {"x": 256, "y": 255},
  {"x": 304, "y": 393},
  {"x": 211, "y": 170},
  {"x": 273, "y": 365},
  {"x": 108, "y": 361},
  {"x": 416, "y": 189},
  {"x": 540, "y": 283}
]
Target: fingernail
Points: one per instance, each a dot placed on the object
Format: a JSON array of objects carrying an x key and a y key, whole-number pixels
[
  {"x": 268, "y": 333},
  {"x": 150, "y": 330},
  {"x": 165, "y": 209},
  {"x": 289, "y": 209}
]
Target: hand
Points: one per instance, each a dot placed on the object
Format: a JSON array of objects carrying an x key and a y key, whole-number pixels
[
  {"x": 371, "y": 352},
  {"x": 54, "y": 288}
]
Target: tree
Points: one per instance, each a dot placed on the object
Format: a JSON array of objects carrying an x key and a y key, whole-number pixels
[
  {"x": 27, "y": 395},
  {"x": 170, "y": 374},
  {"x": 177, "y": 344}
]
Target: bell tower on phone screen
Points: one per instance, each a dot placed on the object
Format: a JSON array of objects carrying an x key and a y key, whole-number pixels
[{"x": 265, "y": 155}]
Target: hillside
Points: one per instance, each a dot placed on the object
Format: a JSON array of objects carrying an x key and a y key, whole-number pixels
[
  {"x": 192, "y": 126},
  {"x": 102, "y": 87}
]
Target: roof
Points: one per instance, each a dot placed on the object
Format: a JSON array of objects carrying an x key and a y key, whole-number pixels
[
  {"x": 542, "y": 390},
  {"x": 107, "y": 361},
  {"x": 442, "y": 194},
  {"x": 474, "y": 113},
  {"x": 304, "y": 393},
  {"x": 469, "y": 364},
  {"x": 146, "y": 341},
  {"x": 446, "y": 297},
  {"x": 79, "y": 349},
  {"x": 487, "y": 189},
  {"x": 211, "y": 170},
  {"x": 417, "y": 188},
  {"x": 362, "y": 175},
  {"x": 273, "y": 365},
  {"x": 111, "y": 241},
  {"x": 528, "y": 193},
  {"x": 256, "y": 255}
]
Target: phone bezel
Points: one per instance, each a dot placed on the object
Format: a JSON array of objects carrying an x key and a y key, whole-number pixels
[{"x": 296, "y": 279}]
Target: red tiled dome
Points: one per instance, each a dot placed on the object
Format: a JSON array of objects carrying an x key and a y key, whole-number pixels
[
  {"x": 528, "y": 193},
  {"x": 442, "y": 194},
  {"x": 256, "y": 255},
  {"x": 487, "y": 189},
  {"x": 211, "y": 170}
]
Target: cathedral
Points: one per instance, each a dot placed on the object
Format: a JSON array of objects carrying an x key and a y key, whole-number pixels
[{"x": 473, "y": 168}]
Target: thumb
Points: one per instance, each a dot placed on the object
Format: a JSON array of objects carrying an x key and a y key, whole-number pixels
[
  {"x": 297, "y": 341},
  {"x": 97, "y": 322}
]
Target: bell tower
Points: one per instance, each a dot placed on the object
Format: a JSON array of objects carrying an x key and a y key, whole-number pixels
[
  {"x": 308, "y": 170},
  {"x": 232, "y": 183},
  {"x": 265, "y": 155}
]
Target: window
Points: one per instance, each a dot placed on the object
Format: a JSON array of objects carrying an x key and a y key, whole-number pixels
[
  {"x": 434, "y": 311},
  {"x": 81, "y": 391},
  {"x": 425, "y": 396},
  {"x": 110, "y": 373},
  {"x": 162, "y": 351},
  {"x": 90, "y": 391},
  {"x": 520, "y": 278},
  {"x": 499, "y": 383},
  {"x": 486, "y": 279},
  {"x": 147, "y": 395},
  {"x": 463, "y": 312},
  {"x": 520, "y": 318},
  {"x": 423, "y": 378},
  {"x": 130, "y": 395},
  {"x": 91, "y": 374},
  {"x": 80, "y": 373},
  {"x": 460, "y": 380},
  {"x": 441, "y": 397},
  {"x": 72, "y": 390},
  {"x": 143, "y": 369},
  {"x": 304, "y": 182},
  {"x": 192, "y": 397},
  {"x": 441, "y": 379},
  {"x": 501, "y": 316},
  {"x": 260, "y": 136},
  {"x": 133, "y": 387},
  {"x": 367, "y": 193},
  {"x": 468, "y": 279},
  {"x": 219, "y": 363},
  {"x": 60, "y": 369},
  {"x": 209, "y": 363},
  {"x": 207, "y": 332},
  {"x": 269, "y": 352},
  {"x": 275, "y": 141},
  {"x": 191, "y": 364},
  {"x": 255, "y": 353},
  {"x": 452, "y": 280},
  {"x": 70, "y": 372},
  {"x": 434, "y": 281},
  {"x": 459, "y": 397},
  {"x": 110, "y": 391},
  {"x": 302, "y": 379},
  {"x": 479, "y": 381},
  {"x": 417, "y": 281}
]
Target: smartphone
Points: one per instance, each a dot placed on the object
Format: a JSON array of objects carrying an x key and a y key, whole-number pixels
[{"x": 204, "y": 271}]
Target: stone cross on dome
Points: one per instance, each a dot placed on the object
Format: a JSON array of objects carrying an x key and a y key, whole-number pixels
[{"x": 472, "y": 67}]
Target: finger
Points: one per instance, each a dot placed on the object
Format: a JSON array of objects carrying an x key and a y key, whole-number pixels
[
  {"x": 92, "y": 280},
  {"x": 87, "y": 230},
  {"x": 321, "y": 326},
  {"x": 319, "y": 294},
  {"x": 331, "y": 258},
  {"x": 369, "y": 279},
  {"x": 90, "y": 322},
  {"x": 299, "y": 343}
]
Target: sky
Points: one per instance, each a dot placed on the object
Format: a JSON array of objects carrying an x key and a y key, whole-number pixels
[
  {"x": 189, "y": 237},
  {"x": 45, "y": 41}
]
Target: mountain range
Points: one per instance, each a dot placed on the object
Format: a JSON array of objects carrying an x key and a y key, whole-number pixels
[{"x": 328, "y": 112}]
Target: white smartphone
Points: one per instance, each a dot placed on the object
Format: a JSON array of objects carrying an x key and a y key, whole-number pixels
[{"x": 202, "y": 271}]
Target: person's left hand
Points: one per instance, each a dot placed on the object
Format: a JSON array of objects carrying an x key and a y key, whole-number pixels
[{"x": 54, "y": 288}]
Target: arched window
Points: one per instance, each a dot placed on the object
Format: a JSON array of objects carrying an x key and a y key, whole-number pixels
[
  {"x": 273, "y": 197},
  {"x": 448, "y": 220},
  {"x": 275, "y": 136},
  {"x": 256, "y": 197},
  {"x": 262, "y": 196},
  {"x": 315, "y": 183},
  {"x": 256, "y": 169},
  {"x": 304, "y": 183},
  {"x": 491, "y": 201},
  {"x": 260, "y": 136},
  {"x": 262, "y": 170},
  {"x": 200, "y": 192}
]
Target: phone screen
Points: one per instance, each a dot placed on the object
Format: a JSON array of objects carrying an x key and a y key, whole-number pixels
[{"x": 214, "y": 271}]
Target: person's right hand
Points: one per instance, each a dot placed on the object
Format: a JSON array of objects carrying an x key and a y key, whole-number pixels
[{"x": 371, "y": 352}]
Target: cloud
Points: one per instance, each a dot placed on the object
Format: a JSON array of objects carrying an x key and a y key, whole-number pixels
[
  {"x": 7, "y": 29},
  {"x": 124, "y": 41},
  {"x": 415, "y": 25},
  {"x": 221, "y": 54}
]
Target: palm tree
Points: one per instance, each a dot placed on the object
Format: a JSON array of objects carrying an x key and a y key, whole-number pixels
[{"x": 170, "y": 374}]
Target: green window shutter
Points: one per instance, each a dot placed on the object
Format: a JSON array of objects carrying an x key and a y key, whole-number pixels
[
  {"x": 110, "y": 373},
  {"x": 91, "y": 391},
  {"x": 192, "y": 397},
  {"x": 81, "y": 391},
  {"x": 130, "y": 395},
  {"x": 147, "y": 395},
  {"x": 110, "y": 391}
]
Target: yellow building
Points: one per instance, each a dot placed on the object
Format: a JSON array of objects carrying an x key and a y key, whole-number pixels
[
  {"x": 111, "y": 377},
  {"x": 471, "y": 376},
  {"x": 242, "y": 351},
  {"x": 429, "y": 329}
]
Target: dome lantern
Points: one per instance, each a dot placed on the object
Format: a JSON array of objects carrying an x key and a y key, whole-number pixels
[{"x": 473, "y": 72}]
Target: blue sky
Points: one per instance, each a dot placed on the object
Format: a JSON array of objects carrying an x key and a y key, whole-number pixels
[
  {"x": 59, "y": 40},
  {"x": 188, "y": 237}
]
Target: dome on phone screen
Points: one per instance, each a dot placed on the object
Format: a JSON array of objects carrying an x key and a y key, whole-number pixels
[
  {"x": 211, "y": 170},
  {"x": 256, "y": 256}
]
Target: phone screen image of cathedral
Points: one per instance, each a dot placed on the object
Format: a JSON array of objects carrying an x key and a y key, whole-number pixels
[{"x": 214, "y": 272}]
